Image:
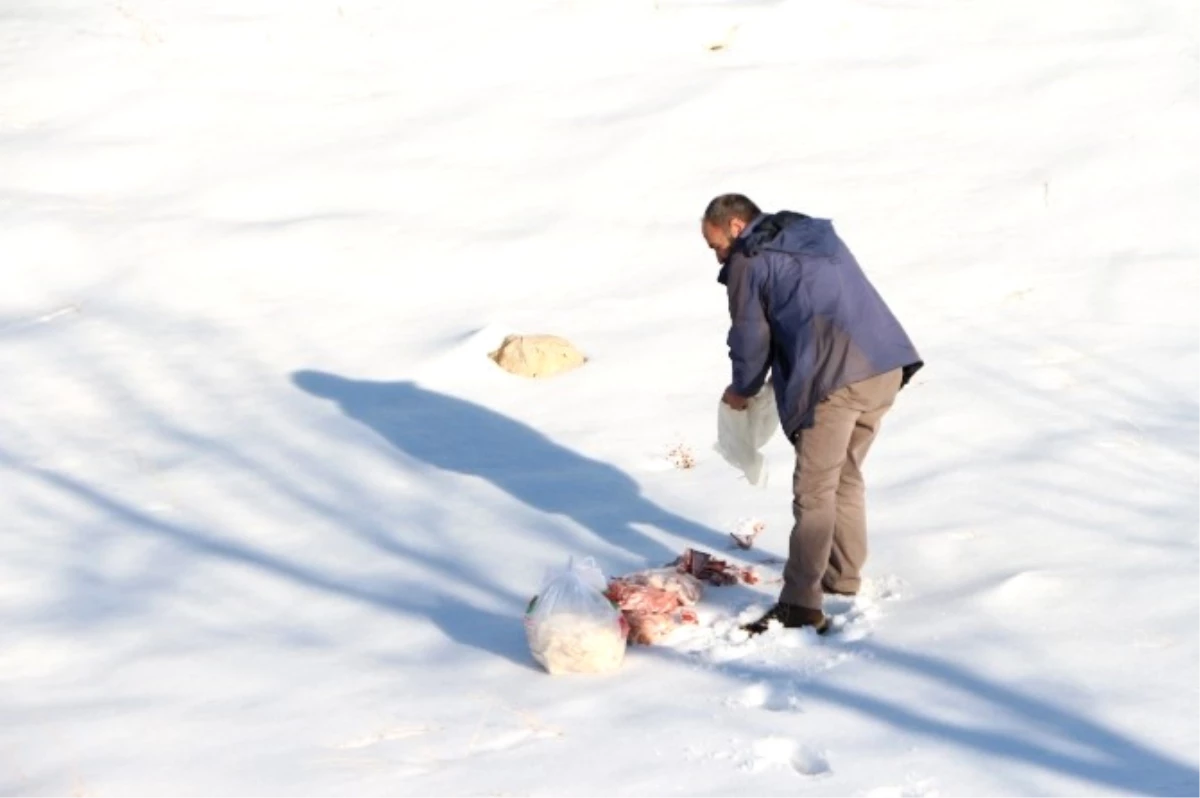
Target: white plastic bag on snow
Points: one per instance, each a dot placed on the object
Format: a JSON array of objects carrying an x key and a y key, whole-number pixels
[
  {"x": 742, "y": 433},
  {"x": 571, "y": 625}
]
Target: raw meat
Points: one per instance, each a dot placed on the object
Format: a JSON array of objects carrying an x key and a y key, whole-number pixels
[
  {"x": 655, "y": 602},
  {"x": 708, "y": 568}
]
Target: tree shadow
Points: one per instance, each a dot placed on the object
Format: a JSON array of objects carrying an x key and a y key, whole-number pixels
[
  {"x": 490, "y": 632},
  {"x": 465, "y": 438},
  {"x": 1050, "y": 737}
]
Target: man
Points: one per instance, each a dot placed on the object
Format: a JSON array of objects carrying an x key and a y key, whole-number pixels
[{"x": 802, "y": 309}]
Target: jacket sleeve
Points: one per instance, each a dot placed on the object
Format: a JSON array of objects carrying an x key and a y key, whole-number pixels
[{"x": 749, "y": 333}]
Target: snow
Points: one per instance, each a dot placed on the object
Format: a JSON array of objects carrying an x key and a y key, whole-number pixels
[{"x": 272, "y": 516}]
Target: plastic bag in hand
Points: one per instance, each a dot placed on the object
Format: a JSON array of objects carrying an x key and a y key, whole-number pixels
[
  {"x": 571, "y": 625},
  {"x": 741, "y": 434}
]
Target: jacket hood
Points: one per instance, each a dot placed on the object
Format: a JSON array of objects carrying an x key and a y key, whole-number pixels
[
  {"x": 790, "y": 232},
  {"x": 785, "y": 231}
]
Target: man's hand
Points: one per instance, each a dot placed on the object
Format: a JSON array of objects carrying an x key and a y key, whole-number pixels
[{"x": 734, "y": 400}]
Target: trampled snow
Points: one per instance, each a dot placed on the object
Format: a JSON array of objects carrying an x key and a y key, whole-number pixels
[{"x": 271, "y": 516}]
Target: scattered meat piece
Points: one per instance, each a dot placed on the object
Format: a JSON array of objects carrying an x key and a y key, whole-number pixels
[
  {"x": 650, "y": 629},
  {"x": 708, "y": 568}
]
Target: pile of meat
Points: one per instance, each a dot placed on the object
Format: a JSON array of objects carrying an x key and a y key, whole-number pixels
[{"x": 657, "y": 601}]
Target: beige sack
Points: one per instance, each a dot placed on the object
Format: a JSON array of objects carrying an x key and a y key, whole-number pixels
[{"x": 537, "y": 355}]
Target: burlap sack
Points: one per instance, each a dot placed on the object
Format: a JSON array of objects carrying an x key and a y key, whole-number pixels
[{"x": 537, "y": 355}]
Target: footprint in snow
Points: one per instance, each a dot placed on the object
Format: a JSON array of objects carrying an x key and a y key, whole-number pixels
[
  {"x": 853, "y": 617},
  {"x": 383, "y": 736},
  {"x": 720, "y": 640},
  {"x": 923, "y": 788},
  {"x": 763, "y": 695},
  {"x": 777, "y": 752},
  {"x": 512, "y": 739},
  {"x": 401, "y": 755}
]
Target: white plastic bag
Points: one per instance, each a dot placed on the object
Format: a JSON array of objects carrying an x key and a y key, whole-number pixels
[
  {"x": 742, "y": 433},
  {"x": 571, "y": 625}
]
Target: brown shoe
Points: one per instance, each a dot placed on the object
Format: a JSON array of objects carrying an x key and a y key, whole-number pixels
[{"x": 791, "y": 616}]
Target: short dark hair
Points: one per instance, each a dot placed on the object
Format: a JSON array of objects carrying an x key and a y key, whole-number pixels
[{"x": 730, "y": 206}]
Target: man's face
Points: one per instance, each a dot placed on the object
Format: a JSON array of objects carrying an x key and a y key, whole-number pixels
[{"x": 720, "y": 239}]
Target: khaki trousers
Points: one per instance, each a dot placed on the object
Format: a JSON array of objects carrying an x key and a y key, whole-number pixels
[{"x": 829, "y": 540}]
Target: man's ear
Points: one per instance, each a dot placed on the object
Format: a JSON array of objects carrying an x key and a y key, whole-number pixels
[{"x": 736, "y": 226}]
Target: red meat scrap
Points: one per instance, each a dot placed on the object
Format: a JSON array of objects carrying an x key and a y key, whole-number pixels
[{"x": 708, "y": 568}]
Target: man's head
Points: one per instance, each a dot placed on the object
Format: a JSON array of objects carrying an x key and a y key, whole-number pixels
[{"x": 724, "y": 220}]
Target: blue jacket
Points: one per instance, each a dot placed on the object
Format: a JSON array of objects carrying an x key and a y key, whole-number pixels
[{"x": 801, "y": 307}]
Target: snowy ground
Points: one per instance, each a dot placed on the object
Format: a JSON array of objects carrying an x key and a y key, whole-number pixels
[{"x": 271, "y": 517}]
